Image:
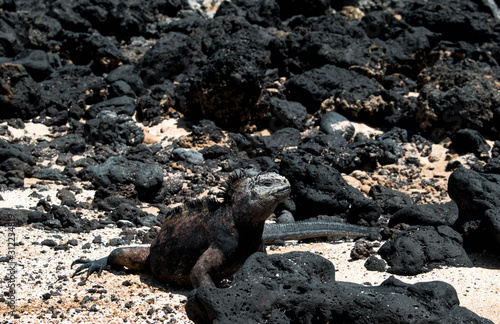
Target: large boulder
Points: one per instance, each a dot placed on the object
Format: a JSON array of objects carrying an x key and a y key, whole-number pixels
[
  {"x": 227, "y": 88},
  {"x": 420, "y": 249},
  {"x": 430, "y": 214},
  {"x": 477, "y": 196},
  {"x": 147, "y": 178},
  {"x": 321, "y": 190},
  {"x": 20, "y": 94},
  {"x": 300, "y": 287}
]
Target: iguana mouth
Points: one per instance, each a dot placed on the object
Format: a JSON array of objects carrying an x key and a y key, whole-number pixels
[{"x": 281, "y": 190}]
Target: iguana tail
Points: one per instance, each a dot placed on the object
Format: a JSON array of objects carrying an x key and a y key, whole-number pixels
[{"x": 302, "y": 230}]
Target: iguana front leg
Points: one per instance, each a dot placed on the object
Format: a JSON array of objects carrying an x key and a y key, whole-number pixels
[
  {"x": 135, "y": 258},
  {"x": 211, "y": 259}
]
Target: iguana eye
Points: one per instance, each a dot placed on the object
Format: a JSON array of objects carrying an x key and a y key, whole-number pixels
[{"x": 267, "y": 183}]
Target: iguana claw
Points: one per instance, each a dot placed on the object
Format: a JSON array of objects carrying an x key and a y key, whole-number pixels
[{"x": 93, "y": 266}]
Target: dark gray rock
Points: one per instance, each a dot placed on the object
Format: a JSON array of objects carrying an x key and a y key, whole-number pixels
[
  {"x": 20, "y": 96},
  {"x": 172, "y": 55},
  {"x": 492, "y": 225},
  {"x": 281, "y": 139},
  {"x": 336, "y": 124},
  {"x": 454, "y": 96},
  {"x": 69, "y": 221},
  {"x": 110, "y": 128},
  {"x": 37, "y": 63},
  {"x": 93, "y": 50},
  {"x": 470, "y": 141},
  {"x": 287, "y": 114},
  {"x": 321, "y": 190},
  {"x": 265, "y": 13},
  {"x": 111, "y": 203},
  {"x": 69, "y": 89},
  {"x": 135, "y": 215},
  {"x": 352, "y": 93},
  {"x": 190, "y": 156},
  {"x": 300, "y": 287},
  {"x": 50, "y": 174},
  {"x": 215, "y": 151},
  {"x": 454, "y": 20},
  {"x": 375, "y": 263},
  {"x": 120, "y": 105},
  {"x": 226, "y": 89},
  {"x": 476, "y": 195},
  {"x": 420, "y": 249},
  {"x": 474, "y": 192},
  {"x": 13, "y": 217},
  {"x": 66, "y": 197},
  {"x": 430, "y": 215},
  {"x": 390, "y": 200},
  {"x": 303, "y": 7},
  {"x": 127, "y": 73},
  {"x": 12, "y": 164},
  {"x": 69, "y": 143},
  {"x": 147, "y": 178}
]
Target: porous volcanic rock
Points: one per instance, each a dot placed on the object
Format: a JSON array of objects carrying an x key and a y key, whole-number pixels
[
  {"x": 226, "y": 89},
  {"x": 321, "y": 190},
  {"x": 422, "y": 248},
  {"x": 300, "y": 286},
  {"x": 147, "y": 178},
  {"x": 20, "y": 95},
  {"x": 477, "y": 197},
  {"x": 429, "y": 214},
  {"x": 454, "y": 97}
]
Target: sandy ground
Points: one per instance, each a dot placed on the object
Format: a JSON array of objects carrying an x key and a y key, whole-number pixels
[{"x": 45, "y": 292}]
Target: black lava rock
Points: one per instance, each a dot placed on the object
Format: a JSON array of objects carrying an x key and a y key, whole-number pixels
[
  {"x": 37, "y": 63},
  {"x": 110, "y": 128},
  {"x": 420, "y": 249},
  {"x": 13, "y": 217},
  {"x": 135, "y": 215},
  {"x": 321, "y": 190},
  {"x": 453, "y": 97},
  {"x": 226, "y": 89},
  {"x": 430, "y": 215},
  {"x": 470, "y": 141},
  {"x": 390, "y": 200},
  {"x": 350, "y": 91},
  {"x": 336, "y": 124},
  {"x": 476, "y": 195},
  {"x": 120, "y": 105},
  {"x": 69, "y": 89},
  {"x": 93, "y": 50},
  {"x": 20, "y": 96},
  {"x": 297, "y": 287},
  {"x": 147, "y": 178},
  {"x": 287, "y": 114},
  {"x": 172, "y": 55},
  {"x": 69, "y": 143},
  {"x": 13, "y": 164},
  {"x": 284, "y": 138}
]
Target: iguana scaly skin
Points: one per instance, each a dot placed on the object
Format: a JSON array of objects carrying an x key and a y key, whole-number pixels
[
  {"x": 303, "y": 230},
  {"x": 207, "y": 242},
  {"x": 204, "y": 242}
]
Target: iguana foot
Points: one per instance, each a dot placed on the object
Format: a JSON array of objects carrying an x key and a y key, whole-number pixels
[{"x": 92, "y": 266}]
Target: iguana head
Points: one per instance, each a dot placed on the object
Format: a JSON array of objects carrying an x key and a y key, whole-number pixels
[{"x": 256, "y": 196}]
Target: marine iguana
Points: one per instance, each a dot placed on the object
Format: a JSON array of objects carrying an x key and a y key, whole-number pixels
[{"x": 208, "y": 241}]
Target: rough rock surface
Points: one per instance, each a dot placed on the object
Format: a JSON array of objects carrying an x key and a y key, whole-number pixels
[
  {"x": 321, "y": 190},
  {"x": 147, "y": 179},
  {"x": 476, "y": 195},
  {"x": 422, "y": 248},
  {"x": 300, "y": 287}
]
